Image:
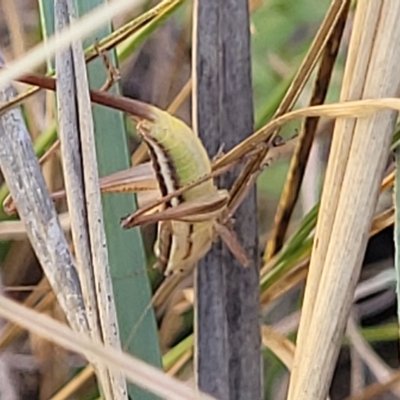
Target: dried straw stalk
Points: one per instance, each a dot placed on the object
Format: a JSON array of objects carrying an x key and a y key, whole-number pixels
[{"x": 359, "y": 153}]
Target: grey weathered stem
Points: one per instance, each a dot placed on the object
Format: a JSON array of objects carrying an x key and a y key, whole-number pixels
[
  {"x": 227, "y": 327},
  {"x": 83, "y": 196},
  {"x": 25, "y": 181},
  {"x": 98, "y": 246}
]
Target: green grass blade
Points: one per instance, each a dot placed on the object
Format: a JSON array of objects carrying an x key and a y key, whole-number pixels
[
  {"x": 172, "y": 356},
  {"x": 286, "y": 264}
]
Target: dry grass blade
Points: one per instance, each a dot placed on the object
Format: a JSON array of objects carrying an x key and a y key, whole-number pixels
[
  {"x": 84, "y": 27},
  {"x": 376, "y": 389},
  {"x": 344, "y": 109},
  {"x": 19, "y": 43},
  {"x": 16, "y": 230},
  {"x": 74, "y": 384},
  {"x": 104, "y": 294},
  {"x": 281, "y": 346},
  {"x": 8, "y": 387},
  {"x": 375, "y": 364},
  {"x": 135, "y": 370},
  {"x": 180, "y": 363},
  {"x": 72, "y": 168},
  {"x": 129, "y": 28},
  {"x": 332, "y": 16},
  {"x": 299, "y": 272},
  {"x": 105, "y": 44},
  {"x": 388, "y": 181},
  {"x": 39, "y": 299},
  {"x": 226, "y": 317},
  {"x": 355, "y": 168},
  {"x": 83, "y": 195},
  {"x": 382, "y": 221},
  {"x": 290, "y": 280},
  {"x": 15, "y": 27},
  {"x": 298, "y": 164},
  {"x": 253, "y": 168}
]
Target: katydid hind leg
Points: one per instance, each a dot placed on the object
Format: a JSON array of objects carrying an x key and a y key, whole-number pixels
[
  {"x": 229, "y": 237},
  {"x": 199, "y": 210}
]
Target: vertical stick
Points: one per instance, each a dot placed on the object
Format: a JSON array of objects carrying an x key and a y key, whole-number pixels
[
  {"x": 227, "y": 327},
  {"x": 211, "y": 325}
]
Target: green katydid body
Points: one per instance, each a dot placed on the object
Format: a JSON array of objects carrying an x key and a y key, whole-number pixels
[
  {"x": 179, "y": 158},
  {"x": 179, "y": 153}
]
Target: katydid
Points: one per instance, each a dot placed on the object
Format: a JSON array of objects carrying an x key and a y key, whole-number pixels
[
  {"x": 180, "y": 182},
  {"x": 187, "y": 228},
  {"x": 194, "y": 211},
  {"x": 188, "y": 222}
]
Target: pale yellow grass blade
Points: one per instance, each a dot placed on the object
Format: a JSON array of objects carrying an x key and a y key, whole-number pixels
[
  {"x": 279, "y": 344},
  {"x": 359, "y": 155},
  {"x": 135, "y": 370}
]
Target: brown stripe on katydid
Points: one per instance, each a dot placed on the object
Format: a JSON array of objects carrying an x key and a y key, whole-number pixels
[
  {"x": 163, "y": 165},
  {"x": 159, "y": 176}
]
